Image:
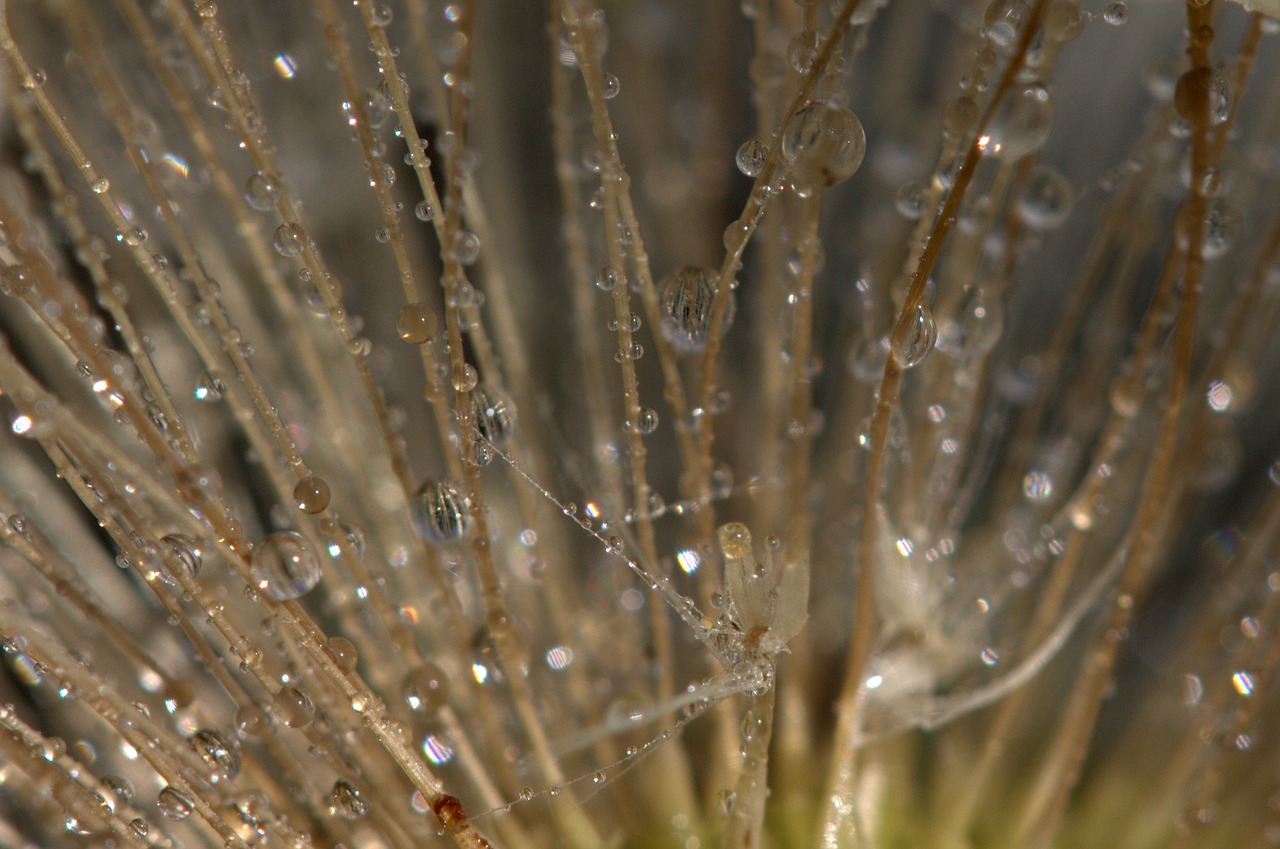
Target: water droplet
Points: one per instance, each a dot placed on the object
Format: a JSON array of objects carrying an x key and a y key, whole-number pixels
[
  {"x": 311, "y": 494},
  {"x": 913, "y": 341},
  {"x": 611, "y": 86},
  {"x": 606, "y": 279},
  {"x": 647, "y": 421},
  {"x": 417, "y": 323},
  {"x": 687, "y": 297},
  {"x": 292, "y": 707},
  {"x": 911, "y": 200},
  {"x": 220, "y": 753},
  {"x": 345, "y": 801},
  {"x": 289, "y": 239},
  {"x": 209, "y": 387},
  {"x": 526, "y": 794},
  {"x": 440, "y": 513},
  {"x": 466, "y": 247},
  {"x": 101, "y": 186},
  {"x": 598, "y": 778},
  {"x": 1004, "y": 20},
  {"x": 423, "y": 211},
  {"x": 250, "y": 721},
  {"x": 1116, "y": 14},
  {"x": 467, "y": 379},
  {"x": 1037, "y": 486},
  {"x": 184, "y": 555},
  {"x": 750, "y": 157},
  {"x": 802, "y": 50},
  {"x": 823, "y": 145},
  {"x": 174, "y": 804},
  {"x": 260, "y": 192},
  {"x": 344, "y": 653},
  {"x": 285, "y": 566},
  {"x": 425, "y": 688},
  {"x": 1198, "y": 84},
  {"x": 492, "y": 414},
  {"x": 1021, "y": 122},
  {"x": 1046, "y": 199}
]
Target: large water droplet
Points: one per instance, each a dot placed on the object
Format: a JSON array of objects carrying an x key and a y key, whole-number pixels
[
  {"x": 220, "y": 753},
  {"x": 426, "y": 688},
  {"x": 440, "y": 512},
  {"x": 913, "y": 341},
  {"x": 174, "y": 804},
  {"x": 493, "y": 414},
  {"x": 687, "y": 297},
  {"x": 1020, "y": 123},
  {"x": 823, "y": 145},
  {"x": 285, "y": 565}
]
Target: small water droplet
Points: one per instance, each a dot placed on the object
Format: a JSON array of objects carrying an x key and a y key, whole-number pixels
[
  {"x": 914, "y": 340},
  {"x": 687, "y": 297}
]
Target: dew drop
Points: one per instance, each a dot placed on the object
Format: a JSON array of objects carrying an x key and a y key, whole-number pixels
[
  {"x": 823, "y": 145},
  {"x": 1020, "y": 123},
  {"x": 311, "y": 494},
  {"x": 423, "y": 211},
  {"x": 174, "y": 804},
  {"x": 1195, "y": 85},
  {"x": 260, "y": 192},
  {"x": 292, "y": 707},
  {"x": 1116, "y": 14},
  {"x": 647, "y": 422},
  {"x": 344, "y": 653},
  {"x": 911, "y": 200},
  {"x": 417, "y": 323},
  {"x": 184, "y": 555},
  {"x": 220, "y": 753},
  {"x": 913, "y": 341},
  {"x": 751, "y": 157},
  {"x": 289, "y": 239},
  {"x": 611, "y": 86},
  {"x": 285, "y": 566},
  {"x": 493, "y": 414},
  {"x": 467, "y": 380},
  {"x": 425, "y": 688},
  {"x": 1046, "y": 199},
  {"x": 466, "y": 247},
  {"x": 209, "y": 387},
  {"x": 440, "y": 513},
  {"x": 345, "y": 801},
  {"x": 101, "y": 186},
  {"x": 687, "y": 297}
]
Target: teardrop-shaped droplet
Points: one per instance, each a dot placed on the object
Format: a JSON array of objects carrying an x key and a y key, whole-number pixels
[
  {"x": 913, "y": 341},
  {"x": 1021, "y": 122}
]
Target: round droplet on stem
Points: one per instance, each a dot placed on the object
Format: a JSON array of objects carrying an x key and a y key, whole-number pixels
[
  {"x": 417, "y": 323},
  {"x": 751, "y": 157},
  {"x": 289, "y": 240},
  {"x": 183, "y": 555},
  {"x": 292, "y": 707},
  {"x": 311, "y": 494},
  {"x": 1197, "y": 86},
  {"x": 344, "y": 653},
  {"x": 285, "y": 566}
]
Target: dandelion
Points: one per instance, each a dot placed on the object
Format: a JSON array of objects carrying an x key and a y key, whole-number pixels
[{"x": 638, "y": 424}]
